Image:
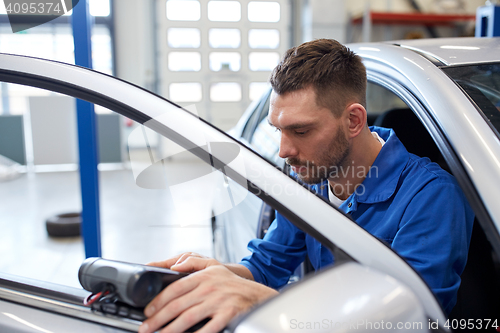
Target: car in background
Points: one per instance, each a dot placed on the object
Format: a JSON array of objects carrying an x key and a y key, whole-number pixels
[
  {"x": 230, "y": 238},
  {"x": 442, "y": 98}
]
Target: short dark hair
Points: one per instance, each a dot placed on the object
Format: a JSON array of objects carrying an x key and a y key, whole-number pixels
[{"x": 337, "y": 75}]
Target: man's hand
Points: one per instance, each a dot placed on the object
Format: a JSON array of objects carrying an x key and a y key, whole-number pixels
[
  {"x": 214, "y": 292},
  {"x": 189, "y": 262},
  {"x": 186, "y": 262}
]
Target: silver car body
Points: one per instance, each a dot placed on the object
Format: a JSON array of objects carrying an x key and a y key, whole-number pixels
[
  {"x": 403, "y": 67},
  {"x": 448, "y": 109},
  {"x": 192, "y": 134}
]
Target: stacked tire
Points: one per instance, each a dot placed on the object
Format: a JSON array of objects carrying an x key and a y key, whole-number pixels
[{"x": 64, "y": 225}]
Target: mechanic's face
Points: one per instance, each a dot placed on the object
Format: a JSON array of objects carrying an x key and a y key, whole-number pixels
[{"x": 313, "y": 141}]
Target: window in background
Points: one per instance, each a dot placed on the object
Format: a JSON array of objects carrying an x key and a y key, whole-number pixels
[
  {"x": 102, "y": 54},
  {"x": 260, "y": 11},
  {"x": 39, "y": 42},
  {"x": 18, "y": 101},
  {"x": 256, "y": 89},
  {"x": 99, "y": 7},
  {"x": 225, "y": 61},
  {"x": 184, "y": 61},
  {"x": 54, "y": 41},
  {"x": 63, "y": 48},
  {"x": 225, "y": 92},
  {"x": 263, "y": 61},
  {"x": 184, "y": 37},
  {"x": 263, "y": 38},
  {"x": 239, "y": 43},
  {"x": 185, "y": 92},
  {"x": 266, "y": 140},
  {"x": 224, "y": 38},
  {"x": 183, "y": 10},
  {"x": 224, "y": 11}
]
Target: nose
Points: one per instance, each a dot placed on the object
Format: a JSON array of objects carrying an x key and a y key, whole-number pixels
[{"x": 287, "y": 149}]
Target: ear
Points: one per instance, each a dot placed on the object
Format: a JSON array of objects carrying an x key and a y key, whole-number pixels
[{"x": 357, "y": 119}]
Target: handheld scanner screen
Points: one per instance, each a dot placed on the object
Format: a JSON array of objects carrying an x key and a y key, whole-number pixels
[{"x": 133, "y": 284}]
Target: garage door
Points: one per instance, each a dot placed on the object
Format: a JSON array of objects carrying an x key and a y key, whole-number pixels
[{"x": 218, "y": 54}]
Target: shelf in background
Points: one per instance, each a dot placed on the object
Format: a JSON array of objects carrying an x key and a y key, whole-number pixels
[{"x": 416, "y": 18}]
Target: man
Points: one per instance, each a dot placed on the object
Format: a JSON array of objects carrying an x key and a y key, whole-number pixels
[{"x": 318, "y": 105}]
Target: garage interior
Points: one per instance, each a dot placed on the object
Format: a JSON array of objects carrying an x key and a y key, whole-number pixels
[{"x": 213, "y": 62}]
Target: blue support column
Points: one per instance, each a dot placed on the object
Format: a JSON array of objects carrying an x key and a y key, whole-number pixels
[
  {"x": 87, "y": 137},
  {"x": 488, "y": 21}
]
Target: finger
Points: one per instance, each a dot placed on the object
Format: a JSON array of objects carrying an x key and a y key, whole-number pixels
[
  {"x": 188, "y": 318},
  {"x": 170, "y": 293},
  {"x": 165, "y": 263},
  {"x": 173, "y": 310},
  {"x": 176, "y": 307},
  {"x": 176, "y": 259},
  {"x": 182, "y": 258},
  {"x": 188, "y": 255},
  {"x": 217, "y": 323},
  {"x": 193, "y": 264}
]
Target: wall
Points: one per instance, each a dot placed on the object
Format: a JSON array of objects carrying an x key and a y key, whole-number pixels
[
  {"x": 135, "y": 51},
  {"x": 134, "y": 42},
  {"x": 324, "y": 19}
]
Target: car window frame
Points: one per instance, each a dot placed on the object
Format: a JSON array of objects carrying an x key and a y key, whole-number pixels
[
  {"x": 253, "y": 121},
  {"x": 449, "y": 154},
  {"x": 476, "y": 94},
  {"x": 45, "y": 79},
  {"x": 58, "y": 299}
]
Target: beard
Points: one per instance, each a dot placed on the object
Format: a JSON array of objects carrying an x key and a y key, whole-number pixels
[{"x": 331, "y": 159}]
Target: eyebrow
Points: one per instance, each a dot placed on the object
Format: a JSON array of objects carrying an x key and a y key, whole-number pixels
[{"x": 293, "y": 126}]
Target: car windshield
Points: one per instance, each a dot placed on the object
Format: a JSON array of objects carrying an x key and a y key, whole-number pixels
[{"x": 481, "y": 82}]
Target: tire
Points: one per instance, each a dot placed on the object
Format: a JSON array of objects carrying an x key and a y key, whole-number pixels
[{"x": 64, "y": 225}]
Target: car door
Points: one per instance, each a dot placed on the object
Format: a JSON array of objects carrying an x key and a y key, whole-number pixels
[
  {"x": 420, "y": 102},
  {"x": 227, "y": 159}
]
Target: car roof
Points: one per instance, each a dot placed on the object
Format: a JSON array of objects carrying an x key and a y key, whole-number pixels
[{"x": 455, "y": 51}]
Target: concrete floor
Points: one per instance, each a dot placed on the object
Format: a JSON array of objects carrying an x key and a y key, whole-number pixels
[{"x": 137, "y": 225}]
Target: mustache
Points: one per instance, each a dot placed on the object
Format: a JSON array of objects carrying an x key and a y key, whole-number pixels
[{"x": 297, "y": 162}]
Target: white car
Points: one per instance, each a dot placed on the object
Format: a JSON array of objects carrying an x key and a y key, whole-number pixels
[{"x": 451, "y": 85}]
